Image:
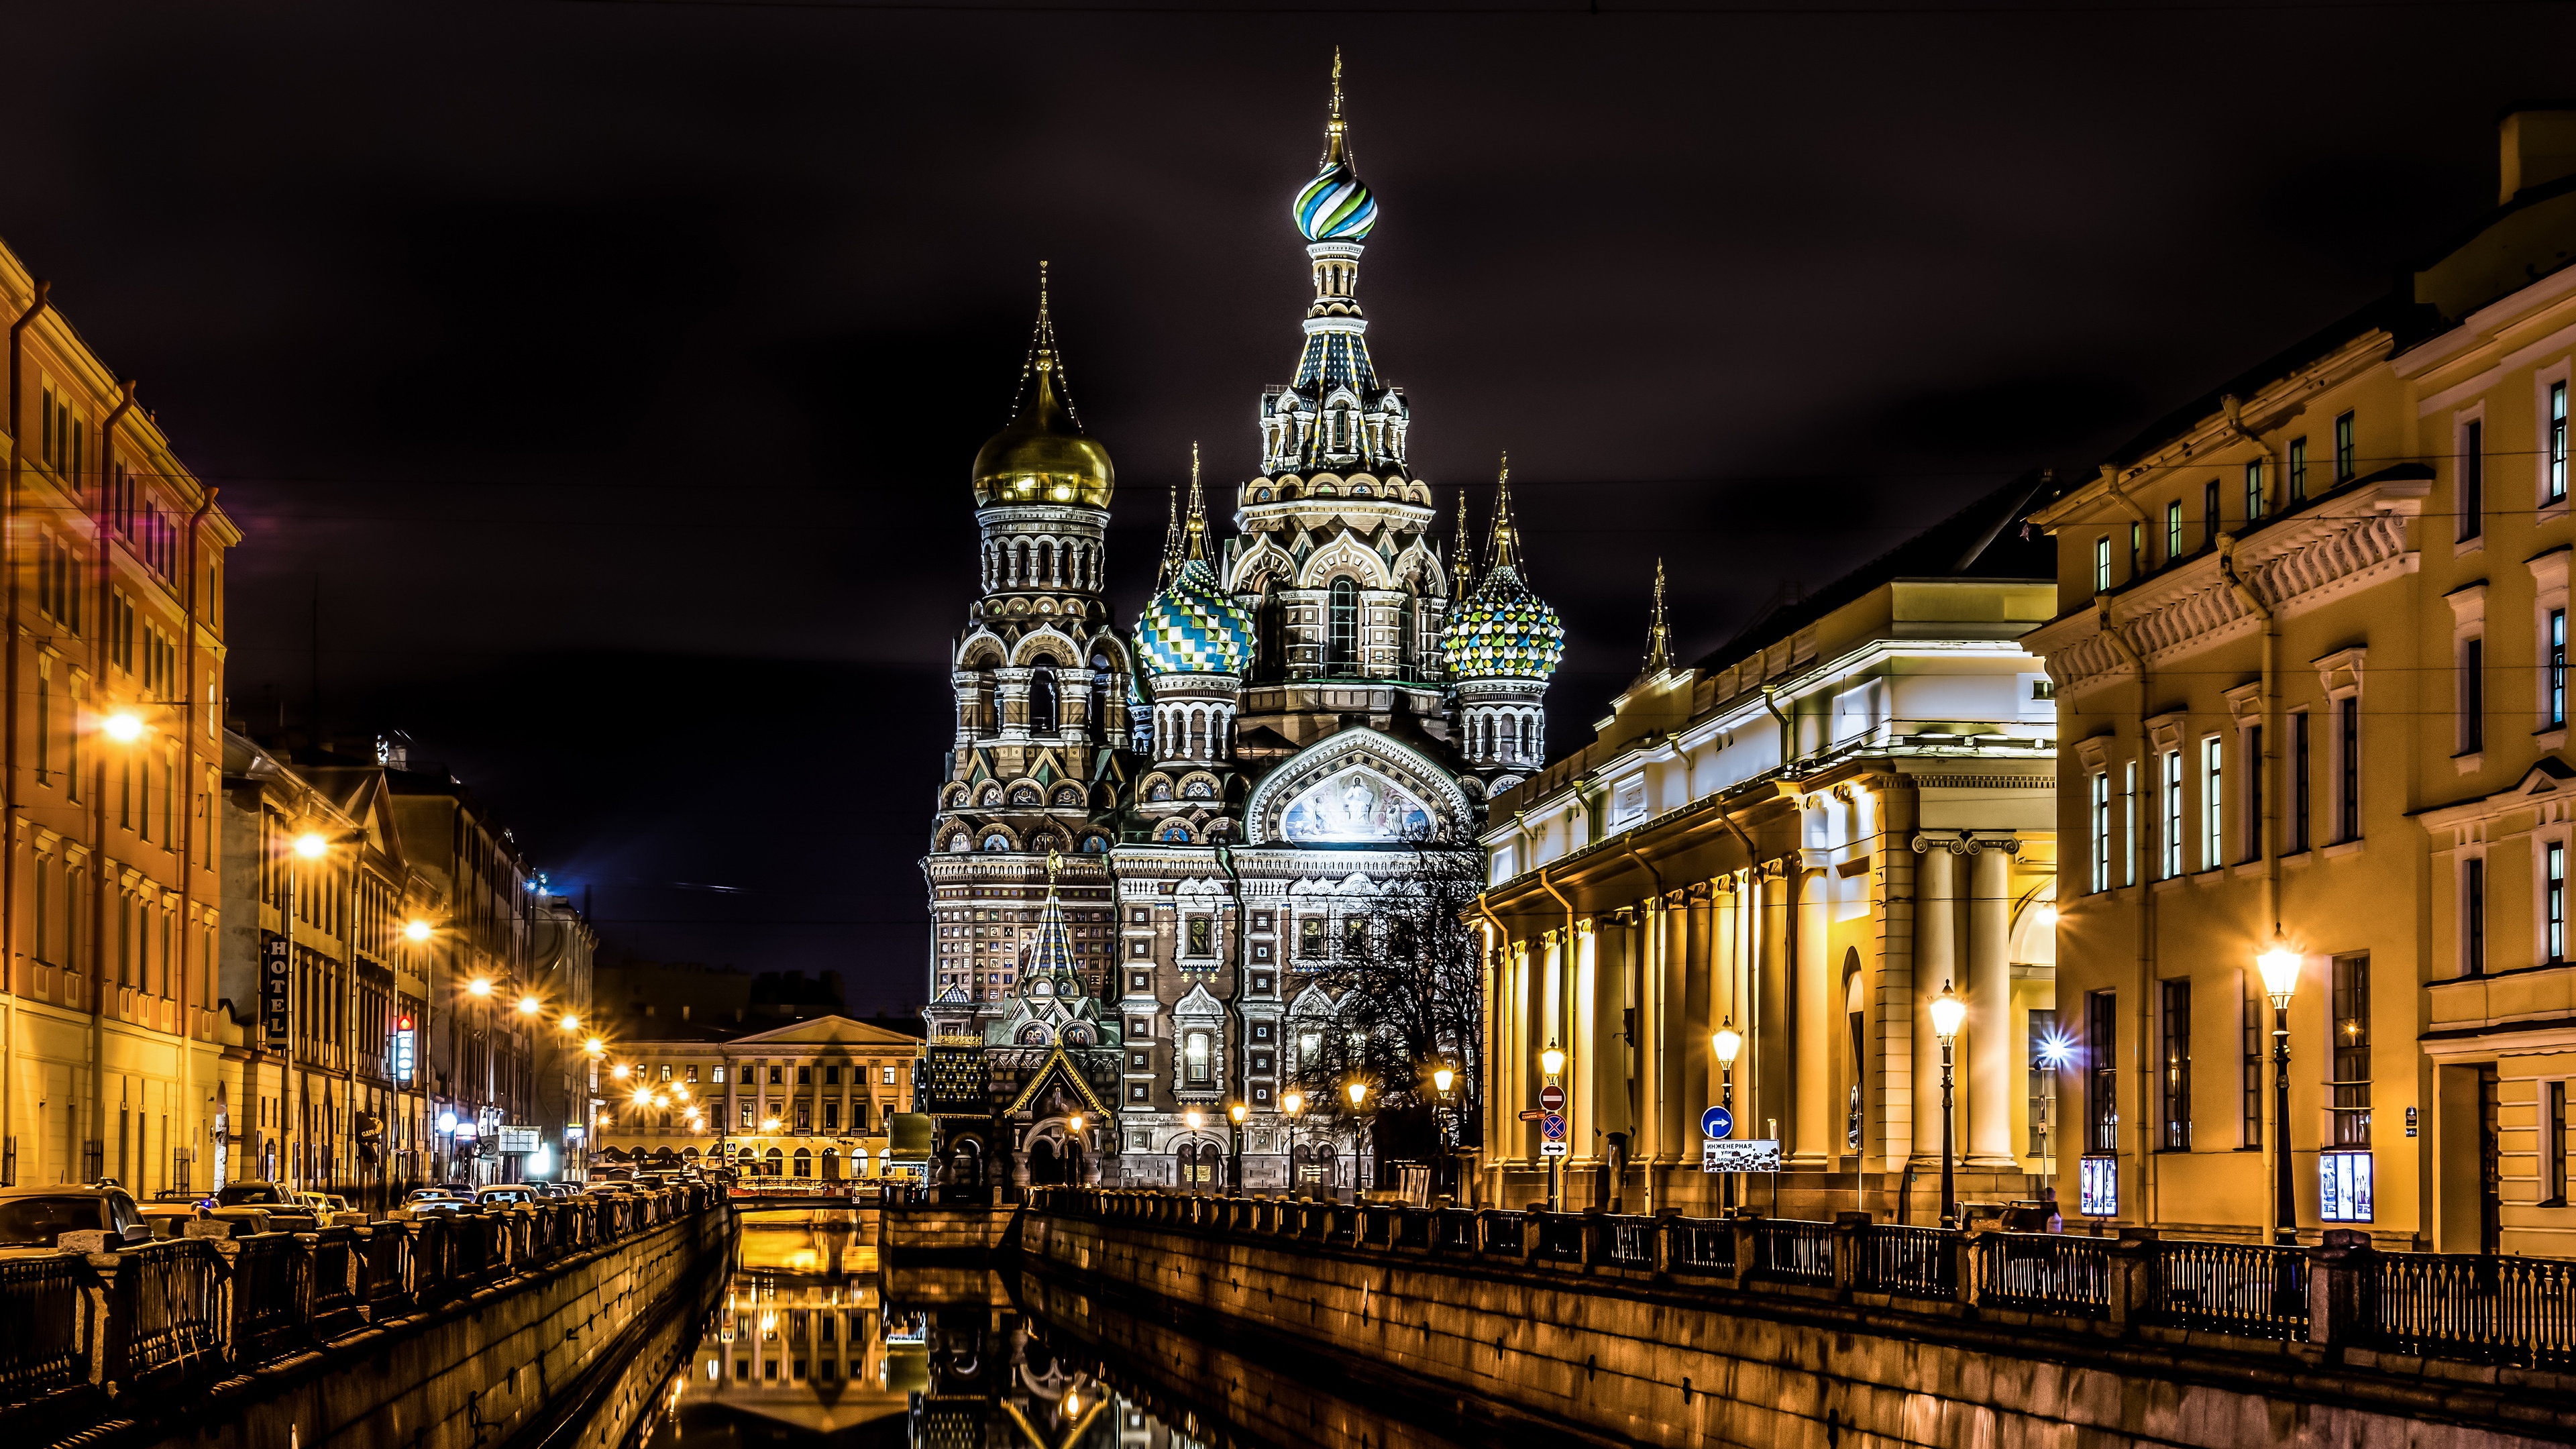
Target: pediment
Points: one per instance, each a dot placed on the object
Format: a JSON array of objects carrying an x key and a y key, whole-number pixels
[
  {"x": 1355, "y": 788},
  {"x": 828, "y": 1031}
]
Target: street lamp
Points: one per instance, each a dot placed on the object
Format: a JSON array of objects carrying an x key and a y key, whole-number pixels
[
  {"x": 1443, "y": 1077},
  {"x": 529, "y": 1005},
  {"x": 1947, "y": 1012},
  {"x": 1552, "y": 1062},
  {"x": 123, "y": 727},
  {"x": 479, "y": 986},
  {"x": 311, "y": 845},
  {"x": 2280, "y": 968},
  {"x": 1359, "y": 1093},
  {"x": 1728, "y": 1043},
  {"x": 1234, "y": 1166},
  {"x": 416, "y": 930},
  {"x": 570, "y": 1022},
  {"x": 1292, "y": 1102}
]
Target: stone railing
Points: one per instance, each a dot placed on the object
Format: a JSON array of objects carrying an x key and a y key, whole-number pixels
[
  {"x": 182, "y": 1312},
  {"x": 2513, "y": 1311}
]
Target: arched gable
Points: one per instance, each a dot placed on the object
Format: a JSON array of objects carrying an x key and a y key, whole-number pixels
[
  {"x": 1345, "y": 555},
  {"x": 1421, "y": 565},
  {"x": 1049, "y": 645},
  {"x": 982, "y": 649},
  {"x": 1384, "y": 792},
  {"x": 1264, "y": 561}
]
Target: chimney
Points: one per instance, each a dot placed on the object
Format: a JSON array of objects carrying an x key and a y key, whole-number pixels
[{"x": 2539, "y": 145}]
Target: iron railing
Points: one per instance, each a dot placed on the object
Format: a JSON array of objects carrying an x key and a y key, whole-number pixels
[
  {"x": 2239, "y": 1288},
  {"x": 166, "y": 1301},
  {"x": 1631, "y": 1242},
  {"x": 1560, "y": 1237},
  {"x": 1702, "y": 1245},
  {"x": 1786, "y": 1250},
  {"x": 2490, "y": 1309},
  {"x": 2046, "y": 1272},
  {"x": 47, "y": 1304},
  {"x": 1914, "y": 1262}
]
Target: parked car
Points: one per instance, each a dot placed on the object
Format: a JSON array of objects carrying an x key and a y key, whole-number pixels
[
  {"x": 32, "y": 1219},
  {"x": 324, "y": 1204},
  {"x": 437, "y": 1199},
  {"x": 506, "y": 1193}
]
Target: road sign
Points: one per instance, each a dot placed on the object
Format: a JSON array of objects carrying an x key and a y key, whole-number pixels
[
  {"x": 1551, "y": 1149},
  {"x": 1717, "y": 1122},
  {"x": 1716, "y": 1155},
  {"x": 1552, "y": 1127},
  {"x": 1551, "y": 1098},
  {"x": 1531, "y": 1114}
]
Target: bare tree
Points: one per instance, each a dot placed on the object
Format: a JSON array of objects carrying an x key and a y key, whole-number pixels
[{"x": 1408, "y": 996}]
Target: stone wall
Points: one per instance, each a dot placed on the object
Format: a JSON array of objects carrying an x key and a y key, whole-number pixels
[
  {"x": 1627, "y": 1357},
  {"x": 480, "y": 1370},
  {"x": 965, "y": 1235}
]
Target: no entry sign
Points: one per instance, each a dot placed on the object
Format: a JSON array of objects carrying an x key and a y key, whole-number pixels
[{"x": 1551, "y": 1098}]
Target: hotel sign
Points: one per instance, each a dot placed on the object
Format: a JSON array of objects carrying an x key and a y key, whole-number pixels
[{"x": 273, "y": 987}]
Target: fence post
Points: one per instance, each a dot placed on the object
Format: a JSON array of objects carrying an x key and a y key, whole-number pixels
[
  {"x": 1962, "y": 1248},
  {"x": 1594, "y": 1230},
  {"x": 2337, "y": 1305},
  {"x": 1667, "y": 1221},
  {"x": 1849, "y": 1227},
  {"x": 1746, "y": 1223},
  {"x": 113, "y": 1318},
  {"x": 2132, "y": 1286}
]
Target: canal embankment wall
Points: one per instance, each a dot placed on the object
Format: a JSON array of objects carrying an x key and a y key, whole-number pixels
[
  {"x": 1673, "y": 1345},
  {"x": 505, "y": 1346}
]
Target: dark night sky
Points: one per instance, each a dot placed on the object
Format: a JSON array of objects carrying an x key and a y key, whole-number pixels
[{"x": 615, "y": 368}]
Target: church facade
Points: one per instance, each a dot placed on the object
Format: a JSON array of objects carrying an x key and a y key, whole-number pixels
[{"x": 1150, "y": 841}]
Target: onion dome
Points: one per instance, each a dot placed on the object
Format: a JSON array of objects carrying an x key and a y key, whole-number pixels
[
  {"x": 1502, "y": 630},
  {"x": 1336, "y": 206},
  {"x": 1191, "y": 626},
  {"x": 1043, "y": 455}
]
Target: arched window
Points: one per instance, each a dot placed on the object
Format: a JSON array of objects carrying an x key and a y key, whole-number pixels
[
  {"x": 1529, "y": 737},
  {"x": 804, "y": 1163},
  {"x": 1270, "y": 649},
  {"x": 1042, "y": 711},
  {"x": 1019, "y": 563},
  {"x": 1198, "y": 734},
  {"x": 1097, "y": 717},
  {"x": 1342, "y": 637},
  {"x": 1409, "y": 634}
]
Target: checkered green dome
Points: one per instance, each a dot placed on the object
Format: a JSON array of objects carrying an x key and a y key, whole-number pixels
[
  {"x": 1191, "y": 627},
  {"x": 1503, "y": 631}
]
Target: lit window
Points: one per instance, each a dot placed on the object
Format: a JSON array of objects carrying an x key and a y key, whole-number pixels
[
  {"x": 2102, "y": 564},
  {"x": 2557, "y": 442}
]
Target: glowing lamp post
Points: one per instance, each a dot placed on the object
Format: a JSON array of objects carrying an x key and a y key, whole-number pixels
[
  {"x": 1358, "y": 1091},
  {"x": 1292, "y": 1102},
  {"x": 1234, "y": 1164},
  {"x": 1947, "y": 1013},
  {"x": 1552, "y": 1063},
  {"x": 1728, "y": 1043},
  {"x": 2280, "y": 968}
]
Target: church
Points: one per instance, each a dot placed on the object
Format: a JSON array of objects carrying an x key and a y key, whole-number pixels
[{"x": 1151, "y": 839}]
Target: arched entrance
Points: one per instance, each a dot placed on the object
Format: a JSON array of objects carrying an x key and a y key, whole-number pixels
[
  {"x": 775, "y": 1165},
  {"x": 804, "y": 1162},
  {"x": 1046, "y": 1166},
  {"x": 1315, "y": 1164},
  {"x": 1202, "y": 1166}
]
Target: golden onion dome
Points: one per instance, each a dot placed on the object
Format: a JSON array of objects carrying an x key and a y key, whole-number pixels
[{"x": 1044, "y": 456}]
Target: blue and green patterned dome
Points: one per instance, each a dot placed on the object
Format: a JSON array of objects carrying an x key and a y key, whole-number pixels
[
  {"x": 1191, "y": 627},
  {"x": 1335, "y": 206},
  {"x": 1503, "y": 631}
]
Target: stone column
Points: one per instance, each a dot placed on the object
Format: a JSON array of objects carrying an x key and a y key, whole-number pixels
[
  {"x": 1691, "y": 977},
  {"x": 1989, "y": 986},
  {"x": 1935, "y": 961},
  {"x": 1654, "y": 1140},
  {"x": 1815, "y": 1110},
  {"x": 1769, "y": 1052},
  {"x": 1586, "y": 1054}
]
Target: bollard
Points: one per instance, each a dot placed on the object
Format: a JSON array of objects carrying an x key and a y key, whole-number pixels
[
  {"x": 2132, "y": 1288},
  {"x": 2339, "y": 1268},
  {"x": 1850, "y": 1241}
]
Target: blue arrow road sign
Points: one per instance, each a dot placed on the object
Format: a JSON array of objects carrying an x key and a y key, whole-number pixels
[{"x": 1716, "y": 1122}]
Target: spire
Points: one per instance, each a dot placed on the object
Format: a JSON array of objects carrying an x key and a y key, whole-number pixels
[
  {"x": 1171, "y": 539},
  {"x": 1046, "y": 362},
  {"x": 1503, "y": 552},
  {"x": 1336, "y": 130},
  {"x": 1659, "y": 635},
  {"x": 1462, "y": 570},
  {"x": 1194, "y": 532}
]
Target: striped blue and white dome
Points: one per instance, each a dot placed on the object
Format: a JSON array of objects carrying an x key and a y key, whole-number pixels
[
  {"x": 1335, "y": 206},
  {"x": 1191, "y": 627},
  {"x": 1503, "y": 631}
]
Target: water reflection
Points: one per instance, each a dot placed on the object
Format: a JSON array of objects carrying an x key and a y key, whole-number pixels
[{"x": 808, "y": 1348}]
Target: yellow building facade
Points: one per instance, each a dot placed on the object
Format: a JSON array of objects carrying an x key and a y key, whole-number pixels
[
  {"x": 2310, "y": 659},
  {"x": 1805, "y": 837},
  {"x": 811, "y": 1099},
  {"x": 110, "y": 762}
]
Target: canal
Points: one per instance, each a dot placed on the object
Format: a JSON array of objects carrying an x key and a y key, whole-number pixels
[{"x": 811, "y": 1344}]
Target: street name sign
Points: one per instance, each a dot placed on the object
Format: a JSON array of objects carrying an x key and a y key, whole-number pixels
[{"x": 1719, "y": 1155}]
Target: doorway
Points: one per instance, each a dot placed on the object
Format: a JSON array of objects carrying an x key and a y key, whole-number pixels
[{"x": 2490, "y": 1164}]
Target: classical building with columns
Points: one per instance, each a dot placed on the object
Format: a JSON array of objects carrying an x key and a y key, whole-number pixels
[
  {"x": 1806, "y": 836},
  {"x": 810, "y": 1099}
]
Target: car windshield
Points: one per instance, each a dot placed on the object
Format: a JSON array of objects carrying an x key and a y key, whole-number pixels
[
  {"x": 249, "y": 1192},
  {"x": 39, "y": 1221}
]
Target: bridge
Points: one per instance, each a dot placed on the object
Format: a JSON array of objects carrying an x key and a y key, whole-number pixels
[
  {"x": 779, "y": 1194},
  {"x": 1749, "y": 1330}
]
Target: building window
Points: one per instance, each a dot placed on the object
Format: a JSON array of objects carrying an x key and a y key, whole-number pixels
[
  {"x": 1341, "y": 639},
  {"x": 1194, "y": 1059},
  {"x": 2173, "y": 814},
  {"x": 2553, "y": 1144},
  {"x": 2348, "y": 767},
  {"x": 2213, "y": 818},
  {"x": 831, "y": 1116},
  {"x": 1202, "y": 936},
  {"x": 2473, "y": 695},
  {"x": 2553, "y": 897},
  {"x": 2176, "y": 1018},
  {"x": 2137, "y": 549},
  {"x": 1354, "y": 936},
  {"x": 2299, "y": 802},
  {"x": 2129, "y": 822},
  {"x": 2352, "y": 1050},
  {"x": 2557, "y": 443},
  {"x": 2173, "y": 530},
  {"x": 2554, "y": 669},
  {"x": 888, "y": 1074},
  {"x": 2209, "y": 518},
  {"x": 2473, "y": 480},
  {"x": 1310, "y": 936},
  {"x": 2473, "y": 916},
  {"x": 2045, "y": 1050},
  {"x": 2298, "y": 471},
  {"x": 2253, "y": 491},
  {"x": 2252, "y": 843},
  {"x": 2102, "y": 1072},
  {"x": 2102, "y": 564},
  {"x": 2101, "y": 819},
  {"x": 2346, "y": 461},
  {"x": 2250, "y": 1072}
]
